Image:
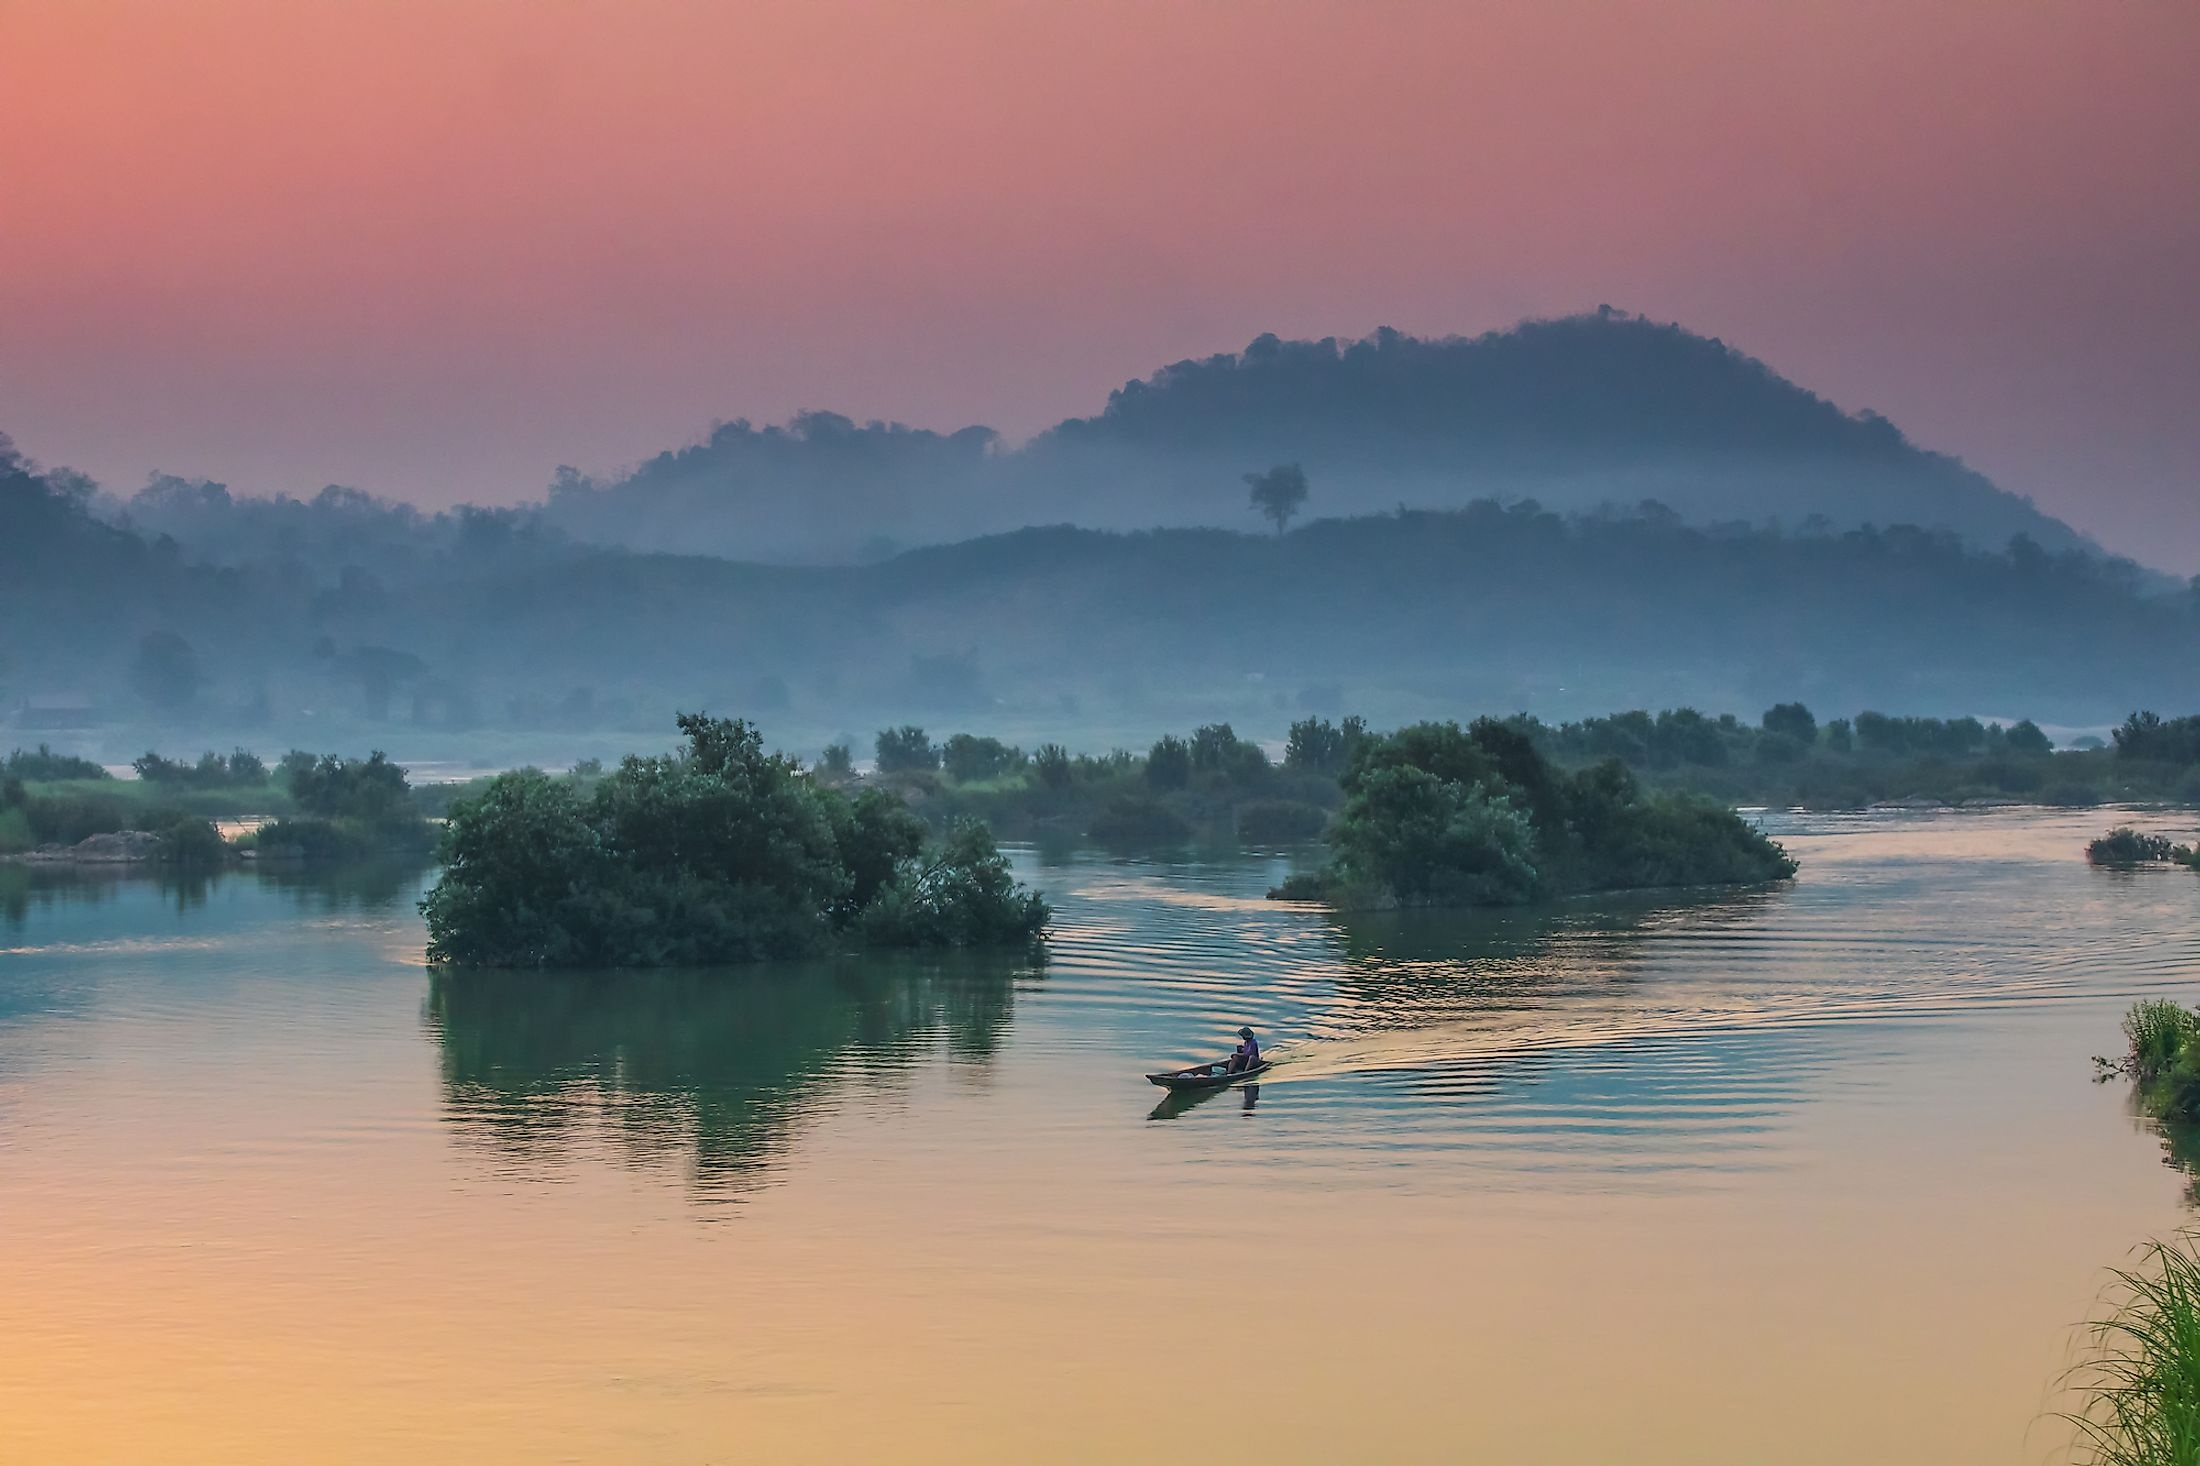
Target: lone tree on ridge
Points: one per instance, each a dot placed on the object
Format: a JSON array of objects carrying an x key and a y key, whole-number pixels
[{"x": 1279, "y": 493}]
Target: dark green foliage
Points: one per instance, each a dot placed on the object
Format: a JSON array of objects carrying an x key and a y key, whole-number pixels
[
  {"x": 963, "y": 895},
  {"x": 2149, "y": 736},
  {"x": 837, "y": 764},
  {"x": 2127, "y": 846},
  {"x": 522, "y": 865},
  {"x": 1416, "y": 838},
  {"x": 968, "y": 759},
  {"x": 1319, "y": 746},
  {"x": 1279, "y": 821},
  {"x": 319, "y": 841},
  {"x": 1139, "y": 819},
  {"x": 1436, "y": 815},
  {"x": 66, "y": 818},
  {"x": 875, "y": 833},
  {"x": 191, "y": 841},
  {"x": 45, "y": 766},
  {"x": 1792, "y": 719},
  {"x": 1875, "y": 758},
  {"x": 904, "y": 750},
  {"x": 347, "y": 808},
  {"x": 372, "y": 789},
  {"x": 720, "y": 853},
  {"x": 1052, "y": 765},
  {"x": 1216, "y": 749},
  {"x": 241, "y": 770},
  {"x": 1169, "y": 763}
]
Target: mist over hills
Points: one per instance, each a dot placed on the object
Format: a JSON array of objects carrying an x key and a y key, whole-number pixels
[
  {"x": 488, "y": 625},
  {"x": 1575, "y": 413}
]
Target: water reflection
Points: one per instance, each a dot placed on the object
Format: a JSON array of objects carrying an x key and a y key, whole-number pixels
[
  {"x": 707, "y": 1070},
  {"x": 34, "y": 889},
  {"x": 1177, "y": 1101}
]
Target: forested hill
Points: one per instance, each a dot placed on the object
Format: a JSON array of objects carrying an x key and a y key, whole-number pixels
[
  {"x": 1087, "y": 635},
  {"x": 1578, "y": 412}
]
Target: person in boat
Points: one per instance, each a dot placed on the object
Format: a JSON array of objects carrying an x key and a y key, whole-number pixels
[{"x": 1247, "y": 1054}]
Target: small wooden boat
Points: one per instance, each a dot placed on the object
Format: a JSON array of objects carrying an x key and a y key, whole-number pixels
[{"x": 1208, "y": 1076}]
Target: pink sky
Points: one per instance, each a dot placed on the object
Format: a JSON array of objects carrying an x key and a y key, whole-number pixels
[{"x": 434, "y": 248}]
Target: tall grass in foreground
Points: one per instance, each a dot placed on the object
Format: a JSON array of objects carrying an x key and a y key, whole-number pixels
[{"x": 2142, "y": 1384}]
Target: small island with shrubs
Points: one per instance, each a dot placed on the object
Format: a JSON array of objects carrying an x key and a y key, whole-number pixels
[
  {"x": 718, "y": 853},
  {"x": 62, "y": 809},
  {"x": 2125, "y": 847},
  {"x": 1437, "y": 815}
]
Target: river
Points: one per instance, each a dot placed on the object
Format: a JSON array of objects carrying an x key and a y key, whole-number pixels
[{"x": 1809, "y": 1175}]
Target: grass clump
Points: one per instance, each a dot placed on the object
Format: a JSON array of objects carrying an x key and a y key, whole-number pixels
[{"x": 2141, "y": 1385}]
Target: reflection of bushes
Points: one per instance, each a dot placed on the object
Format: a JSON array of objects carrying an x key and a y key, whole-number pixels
[{"x": 719, "y": 1062}]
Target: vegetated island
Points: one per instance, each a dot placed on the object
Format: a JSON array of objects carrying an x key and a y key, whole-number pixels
[
  {"x": 58, "y": 808},
  {"x": 2125, "y": 847},
  {"x": 1436, "y": 815},
  {"x": 718, "y": 853},
  {"x": 1215, "y": 786}
]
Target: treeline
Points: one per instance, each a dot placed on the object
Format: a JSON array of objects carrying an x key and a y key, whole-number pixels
[
  {"x": 1790, "y": 759},
  {"x": 1401, "y": 616},
  {"x": 1211, "y": 786},
  {"x": 324, "y": 806}
]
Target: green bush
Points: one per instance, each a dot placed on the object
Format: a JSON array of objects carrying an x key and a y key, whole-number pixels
[
  {"x": 1438, "y": 815},
  {"x": 2155, "y": 1034},
  {"x": 44, "y": 766},
  {"x": 192, "y": 842},
  {"x": 720, "y": 853},
  {"x": 1130, "y": 820},
  {"x": 2127, "y": 846},
  {"x": 1279, "y": 821},
  {"x": 963, "y": 895}
]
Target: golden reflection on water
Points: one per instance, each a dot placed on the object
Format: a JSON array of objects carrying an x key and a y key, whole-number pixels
[{"x": 1809, "y": 1178}]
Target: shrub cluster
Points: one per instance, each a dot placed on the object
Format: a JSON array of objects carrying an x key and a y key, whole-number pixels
[
  {"x": 2162, "y": 1059},
  {"x": 718, "y": 853},
  {"x": 2127, "y": 846},
  {"x": 44, "y": 766},
  {"x": 1434, "y": 814},
  {"x": 241, "y": 770}
]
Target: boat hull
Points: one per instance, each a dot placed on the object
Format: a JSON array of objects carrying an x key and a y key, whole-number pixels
[{"x": 1207, "y": 1076}]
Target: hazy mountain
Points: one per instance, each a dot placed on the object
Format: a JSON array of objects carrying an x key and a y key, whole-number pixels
[
  {"x": 1087, "y": 636},
  {"x": 1575, "y": 413}
]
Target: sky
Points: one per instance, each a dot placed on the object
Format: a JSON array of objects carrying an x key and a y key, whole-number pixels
[{"x": 435, "y": 248}]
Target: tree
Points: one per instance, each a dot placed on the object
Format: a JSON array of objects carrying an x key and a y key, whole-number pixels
[
  {"x": 904, "y": 750},
  {"x": 1169, "y": 763},
  {"x": 1279, "y": 493},
  {"x": 1322, "y": 747},
  {"x": 1052, "y": 764},
  {"x": 166, "y": 671},
  {"x": 837, "y": 764},
  {"x": 1793, "y": 719}
]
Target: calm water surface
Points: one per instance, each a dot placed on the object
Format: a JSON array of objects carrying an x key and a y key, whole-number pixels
[{"x": 1815, "y": 1175}]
